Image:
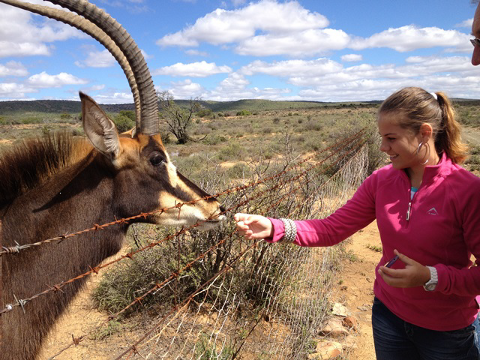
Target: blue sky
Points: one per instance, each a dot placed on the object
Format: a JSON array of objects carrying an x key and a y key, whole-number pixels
[{"x": 320, "y": 50}]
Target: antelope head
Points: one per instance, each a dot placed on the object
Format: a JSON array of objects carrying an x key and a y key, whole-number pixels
[{"x": 137, "y": 159}]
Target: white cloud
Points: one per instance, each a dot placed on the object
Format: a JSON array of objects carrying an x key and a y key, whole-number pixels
[
  {"x": 289, "y": 68},
  {"x": 97, "y": 59},
  {"x": 193, "y": 52},
  {"x": 301, "y": 44},
  {"x": 114, "y": 98},
  {"x": 185, "y": 89},
  {"x": 13, "y": 68},
  {"x": 93, "y": 88},
  {"x": 410, "y": 37},
  {"x": 44, "y": 80},
  {"x": 21, "y": 36},
  {"x": 12, "y": 91},
  {"x": 229, "y": 26},
  {"x": 23, "y": 49},
  {"x": 196, "y": 69},
  {"x": 352, "y": 57},
  {"x": 465, "y": 24}
]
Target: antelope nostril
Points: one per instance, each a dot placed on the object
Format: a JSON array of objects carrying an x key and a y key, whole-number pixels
[{"x": 222, "y": 209}]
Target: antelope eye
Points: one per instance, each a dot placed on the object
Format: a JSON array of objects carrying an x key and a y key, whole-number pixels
[{"x": 157, "y": 159}]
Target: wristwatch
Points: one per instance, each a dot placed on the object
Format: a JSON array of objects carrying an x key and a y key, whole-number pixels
[{"x": 431, "y": 284}]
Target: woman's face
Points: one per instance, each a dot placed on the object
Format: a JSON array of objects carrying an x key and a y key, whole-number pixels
[{"x": 398, "y": 143}]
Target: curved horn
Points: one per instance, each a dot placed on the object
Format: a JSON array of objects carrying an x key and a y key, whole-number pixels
[
  {"x": 148, "y": 96},
  {"x": 93, "y": 30}
]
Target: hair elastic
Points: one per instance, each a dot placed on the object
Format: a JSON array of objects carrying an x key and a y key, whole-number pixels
[{"x": 434, "y": 95}]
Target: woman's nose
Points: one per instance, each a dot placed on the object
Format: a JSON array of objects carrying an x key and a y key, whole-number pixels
[{"x": 383, "y": 146}]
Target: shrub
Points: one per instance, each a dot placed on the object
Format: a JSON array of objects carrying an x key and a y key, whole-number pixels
[
  {"x": 239, "y": 171},
  {"x": 243, "y": 113},
  {"x": 230, "y": 152},
  {"x": 204, "y": 113},
  {"x": 214, "y": 140},
  {"x": 128, "y": 113},
  {"x": 123, "y": 123}
]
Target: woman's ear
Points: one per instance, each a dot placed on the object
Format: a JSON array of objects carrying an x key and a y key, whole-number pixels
[{"x": 426, "y": 132}]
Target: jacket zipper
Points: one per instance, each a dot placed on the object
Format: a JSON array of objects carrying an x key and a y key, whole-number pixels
[{"x": 409, "y": 209}]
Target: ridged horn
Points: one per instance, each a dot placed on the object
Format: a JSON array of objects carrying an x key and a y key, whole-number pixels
[
  {"x": 148, "y": 97},
  {"x": 94, "y": 31}
]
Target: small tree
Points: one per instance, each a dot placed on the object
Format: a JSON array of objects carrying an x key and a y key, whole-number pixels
[{"x": 178, "y": 119}]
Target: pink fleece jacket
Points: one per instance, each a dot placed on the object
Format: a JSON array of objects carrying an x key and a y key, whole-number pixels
[{"x": 443, "y": 230}]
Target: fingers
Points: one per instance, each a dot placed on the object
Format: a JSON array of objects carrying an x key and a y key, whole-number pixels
[
  {"x": 240, "y": 217},
  {"x": 405, "y": 258},
  {"x": 412, "y": 275}
]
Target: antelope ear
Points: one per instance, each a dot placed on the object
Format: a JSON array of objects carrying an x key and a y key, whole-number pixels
[{"x": 99, "y": 128}]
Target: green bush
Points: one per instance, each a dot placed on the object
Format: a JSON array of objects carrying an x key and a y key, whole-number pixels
[
  {"x": 243, "y": 113},
  {"x": 204, "y": 113},
  {"x": 230, "y": 152},
  {"x": 239, "y": 171},
  {"x": 123, "y": 123},
  {"x": 128, "y": 113},
  {"x": 214, "y": 140}
]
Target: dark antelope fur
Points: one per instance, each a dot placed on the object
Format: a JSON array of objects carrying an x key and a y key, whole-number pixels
[{"x": 62, "y": 184}]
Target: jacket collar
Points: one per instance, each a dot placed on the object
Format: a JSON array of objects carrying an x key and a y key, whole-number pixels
[{"x": 442, "y": 169}]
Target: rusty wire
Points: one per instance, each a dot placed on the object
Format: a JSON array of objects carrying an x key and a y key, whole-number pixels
[
  {"x": 133, "y": 348},
  {"x": 17, "y": 248},
  {"x": 174, "y": 275}
]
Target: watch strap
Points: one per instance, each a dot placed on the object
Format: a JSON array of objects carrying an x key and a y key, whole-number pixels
[{"x": 431, "y": 284}]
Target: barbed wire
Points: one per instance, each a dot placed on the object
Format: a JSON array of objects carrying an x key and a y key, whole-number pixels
[
  {"x": 134, "y": 347},
  {"x": 347, "y": 148},
  {"x": 57, "y": 287},
  {"x": 17, "y": 248}
]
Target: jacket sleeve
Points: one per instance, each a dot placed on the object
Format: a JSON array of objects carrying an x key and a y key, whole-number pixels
[
  {"x": 465, "y": 281},
  {"x": 357, "y": 213}
]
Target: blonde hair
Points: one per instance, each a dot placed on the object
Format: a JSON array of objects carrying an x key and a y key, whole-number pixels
[{"x": 421, "y": 107}]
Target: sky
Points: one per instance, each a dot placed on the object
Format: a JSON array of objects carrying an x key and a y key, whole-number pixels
[{"x": 312, "y": 50}]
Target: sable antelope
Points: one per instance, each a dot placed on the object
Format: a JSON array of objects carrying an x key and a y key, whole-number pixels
[{"x": 60, "y": 184}]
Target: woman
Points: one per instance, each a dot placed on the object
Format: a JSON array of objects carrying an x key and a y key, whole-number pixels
[{"x": 427, "y": 209}]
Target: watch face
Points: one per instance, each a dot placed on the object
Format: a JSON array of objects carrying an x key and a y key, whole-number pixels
[{"x": 430, "y": 287}]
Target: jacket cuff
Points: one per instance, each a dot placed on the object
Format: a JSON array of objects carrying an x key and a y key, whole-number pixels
[
  {"x": 278, "y": 230},
  {"x": 442, "y": 284}
]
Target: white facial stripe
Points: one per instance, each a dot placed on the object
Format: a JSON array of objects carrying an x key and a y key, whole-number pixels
[{"x": 172, "y": 174}]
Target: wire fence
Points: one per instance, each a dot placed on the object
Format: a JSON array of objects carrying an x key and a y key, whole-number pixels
[{"x": 215, "y": 295}]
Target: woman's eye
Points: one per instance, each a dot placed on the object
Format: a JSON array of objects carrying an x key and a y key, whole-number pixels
[{"x": 156, "y": 160}]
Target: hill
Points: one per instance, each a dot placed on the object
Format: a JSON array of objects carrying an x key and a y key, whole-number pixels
[
  {"x": 72, "y": 107},
  {"x": 66, "y": 106}
]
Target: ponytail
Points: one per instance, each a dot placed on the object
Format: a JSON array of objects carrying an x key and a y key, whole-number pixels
[{"x": 448, "y": 137}]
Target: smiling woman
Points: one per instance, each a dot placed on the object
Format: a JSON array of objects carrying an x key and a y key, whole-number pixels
[{"x": 427, "y": 210}]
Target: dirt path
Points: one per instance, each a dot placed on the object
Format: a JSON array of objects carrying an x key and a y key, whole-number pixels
[{"x": 356, "y": 288}]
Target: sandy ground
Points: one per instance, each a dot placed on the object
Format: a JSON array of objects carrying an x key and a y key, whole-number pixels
[{"x": 356, "y": 288}]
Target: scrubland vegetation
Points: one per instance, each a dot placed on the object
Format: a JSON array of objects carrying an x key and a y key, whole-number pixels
[{"x": 229, "y": 146}]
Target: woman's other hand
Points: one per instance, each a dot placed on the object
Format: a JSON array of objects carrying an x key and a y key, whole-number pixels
[
  {"x": 414, "y": 274},
  {"x": 253, "y": 226}
]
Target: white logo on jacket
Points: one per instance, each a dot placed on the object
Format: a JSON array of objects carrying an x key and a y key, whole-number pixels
[{"x": 432, "y": 211}]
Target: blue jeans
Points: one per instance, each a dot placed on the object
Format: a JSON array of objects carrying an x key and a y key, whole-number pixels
[{"x": 396, "y": 339}]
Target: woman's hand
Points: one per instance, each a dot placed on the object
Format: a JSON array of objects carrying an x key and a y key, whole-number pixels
[
  {"x": 253, "y": 226},
  {"x": 414, "y": 274}
]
